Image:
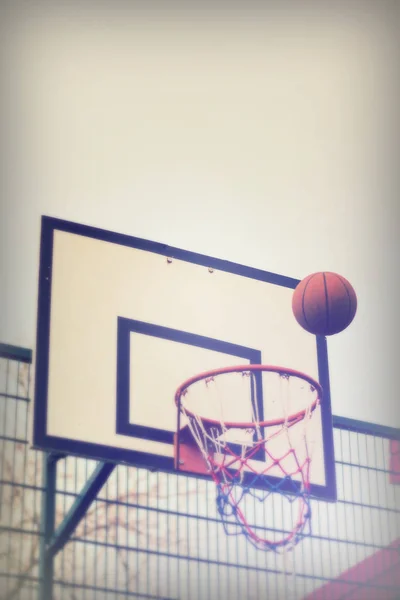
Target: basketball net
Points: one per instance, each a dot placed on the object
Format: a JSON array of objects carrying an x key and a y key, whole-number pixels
[{"x": 260, "y": 459}]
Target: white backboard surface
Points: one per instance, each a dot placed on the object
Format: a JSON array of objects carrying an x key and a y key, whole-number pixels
[{"x": 122, "y": 322}]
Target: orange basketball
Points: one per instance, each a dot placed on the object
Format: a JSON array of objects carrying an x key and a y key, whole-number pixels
[{"x": 324, "y": 303}]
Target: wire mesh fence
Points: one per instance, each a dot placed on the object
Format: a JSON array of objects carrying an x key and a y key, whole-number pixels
[{"x": 154, "y": 535}]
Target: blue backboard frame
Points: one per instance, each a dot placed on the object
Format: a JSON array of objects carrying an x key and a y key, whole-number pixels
[{"x": 42, "y": 440}]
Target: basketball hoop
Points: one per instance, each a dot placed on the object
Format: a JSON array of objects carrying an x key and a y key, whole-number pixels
[{"x": 254, "y": 457}]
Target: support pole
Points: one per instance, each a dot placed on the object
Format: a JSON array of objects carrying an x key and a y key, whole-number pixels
[
  {"x": 53, "y": 541},
  {"x": 47, "y": 525}
]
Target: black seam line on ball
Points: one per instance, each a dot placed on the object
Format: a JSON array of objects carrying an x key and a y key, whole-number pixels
[
  {"x": 348, "y": 296},
  {"x": 303, "y": 300},
  {"x": 326, "y": 303}
]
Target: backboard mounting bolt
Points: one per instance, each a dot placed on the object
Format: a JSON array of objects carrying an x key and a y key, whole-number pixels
[
  {"x": 169, "y": 260},
  {"x": 210, "y": 270}
]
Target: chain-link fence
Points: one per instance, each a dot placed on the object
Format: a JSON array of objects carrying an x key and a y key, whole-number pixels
[{"x": 156, "y": 535}]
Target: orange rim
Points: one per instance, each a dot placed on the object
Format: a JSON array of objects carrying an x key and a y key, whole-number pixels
[{"x": 291, "y": 420}]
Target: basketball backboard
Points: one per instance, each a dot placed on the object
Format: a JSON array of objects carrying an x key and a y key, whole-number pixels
[{"x": 122, "y": 322}]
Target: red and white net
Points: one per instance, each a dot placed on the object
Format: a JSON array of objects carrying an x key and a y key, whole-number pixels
[{"x": 257, "y": 428}]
